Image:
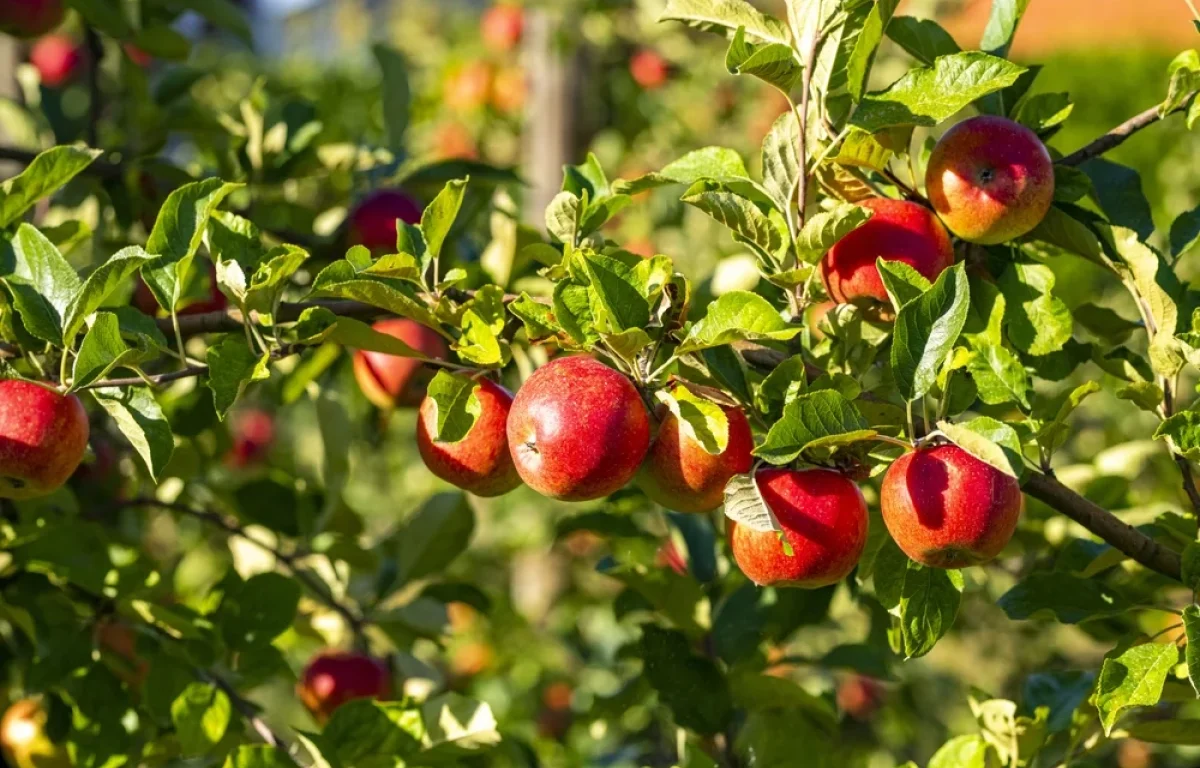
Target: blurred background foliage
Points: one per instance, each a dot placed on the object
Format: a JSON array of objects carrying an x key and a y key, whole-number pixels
[{"x": 544, "y": 643}]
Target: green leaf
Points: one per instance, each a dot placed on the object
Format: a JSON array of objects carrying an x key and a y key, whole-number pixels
[
  {"x": 538, "y": 317},
  {"x": 456, "y": 727},
  {"x": 271, "y": 277},
  {"x": 258, "y": 756},
  {"x": 781, "y": 160},
  {"x": 1118, "y": 190},
  {"x": 965, "y": 752},
  {"x": 718, "y": 163},
  {"x": 1044, "y": 111},
  {"x": 691, "y": 686},
  {"x": 808, "y": 419},
  {"x": 456, "y": 406},
  {"x": 1070, "y": 599},
  {"x": 231, "y": 366},
  {"x": 368, "y": 732},
  {"x": 430, "y": 540},
  {"x": 1063, "y": 230},
  {"x": 926, "y": 330},
  {"x": 340, "y": 280},
  {"x": 924, "y": 600},
  {"x": 259, "y": 610},
  {"x": 774, "y": 63},
  {"x": 1185, "y": 232},
  {"x": 1002, "y": 25},
  {"x": 926, "y": 96},
  {"x": 396, "y": 94},
  {"x": 1144, "y": 394},
  {"x": 1038, "y": 322},
  {"x": 737, "y": 316},
  {"x": 564, "y": 217},
  {"x": 1156, "y": 282},
  {"x": 1191, "y": 654},
  {"x": 102, "y": 350},
  {"x": 924, "y": 39},
  {"x": 824, "y": 229},
  {"x": 1183, "y": 431},
  {"x": 138, "y": 416},
  {"x": 42, "y": 284},
  {"x": 615, "y": 286},
  {"x": 739, "y": 215},
  {"x": 727, "y": 15},
  {"x": 858, "y": 66},
  {"x": 783, "y": 384},
  {"x": 1131, "y": 678},
  {"x": 200, "y": 714},
  {"x": 45, "y": 175},
  {"x": 744, "y": 504},
  {"x": 1054, "y": 432},
  {"x": 999, "y": 374},
  {"x": 902, "y": 283},
  {"x": 1183, "y": 80},
  {"x": 573, "y": 310},
  {"x": 992, "y": 442},
  {"x": 702, "y": 420},
  {"x": 1182, "y": 732},
  {"x": 177, "y": 235},
  {"x": 98, "y": 286},
  {"x": 439, "y": 217}
]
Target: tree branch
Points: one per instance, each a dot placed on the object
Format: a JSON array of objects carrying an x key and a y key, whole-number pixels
[
  {"x": 1118, "y": 135},
  {"x": 232, "y": 527}
]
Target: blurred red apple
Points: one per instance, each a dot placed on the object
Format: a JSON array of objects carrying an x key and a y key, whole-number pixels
[
  {"x": 649, "y": 69},
  {"x": 373, "y": 221},
  {"x": 509, "y": 90},
  {"x": 253, "y": 432},
  {"x": 860, "y": 697},
  {"x": 137, "y": 55},
  {"x": 501, "y": 26},
  {"x": 333, "y": 678},
  {"x": 23, "y": 738},
  {"x": 30, "y": 18},
  {"x": 468, "y": 87},
  {"x": 57, "y": 59},
  {"x": 389, "y": 381}
]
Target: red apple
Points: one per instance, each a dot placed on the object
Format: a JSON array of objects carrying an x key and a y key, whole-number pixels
[
  {"x": 137, "y": 55},
  {"x": 468, "y": 86},
  {"x": 479, "y": 463},
  {"x": 144, "y": 301},
  {"x": 898, "y": 231},
  {"x": 649, "y": 69},
  {"x": 373, "y": 222},
  {"x": 57, "y": 59},
  {"x": 389, "y": 381},
  {"x": 508, "y": 90},
  {"x": 990, "y": 179},
  {"x": 577, "y": 430},
  {"x": 30, "y": 18},
  {"x": 253, "y": 432},
  {"x": 824, "y": 520},
  {"x": 680, "y": 475},
  {"x": 860, "y": 697},
  {"x": 501, "y": 26},
  {"x": 947, "y": 509},
  {"x": 455, "y": 142},
  {"x": 333, "y": 678},
  {"x": 43, "y": 436},
  {"x": 24, "y": 741}
]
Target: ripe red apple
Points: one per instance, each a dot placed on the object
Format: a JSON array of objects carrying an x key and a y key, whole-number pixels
[
  {"x": 577, "y": 430},
  {"x": 373, "y": 222},
  {"x": 947, "y": 509},
  {"x": 23, "y": 738},
  {"x": 253, "y": 432},
  {"x": 333, "y": 678},
  {"x": 501, "y": 26},
  {"x": 990, "y": 179},
  {"x": 508, "y": 90},
  {"x": 43, "y": 436},
  {"x": 860, "y": 696},
  {"x": 824, "y": 521},
  {"x": 57, "y": 59},
  {"x": 30, "y": 18},
  {"x": 649, "y": 69},
  {"x": 389, "y": 381},
  {"x": 144, "y": 301},
  {"x": 467, "y": 88},
  {"x": 680, "y": 475},
  {"x": 479, "y": 463},
  {"x": 898, "y": 231}
]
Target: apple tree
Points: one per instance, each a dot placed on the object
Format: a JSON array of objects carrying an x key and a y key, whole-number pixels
[{"x": 219, "y": 545}]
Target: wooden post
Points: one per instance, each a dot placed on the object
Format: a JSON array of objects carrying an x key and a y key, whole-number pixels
[{"x": 547, "y": 142}]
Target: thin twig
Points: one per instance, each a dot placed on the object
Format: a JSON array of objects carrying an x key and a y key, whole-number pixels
[
  {"x": 233, "y": 528},
  {"x": 1118, "y": 135}
]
